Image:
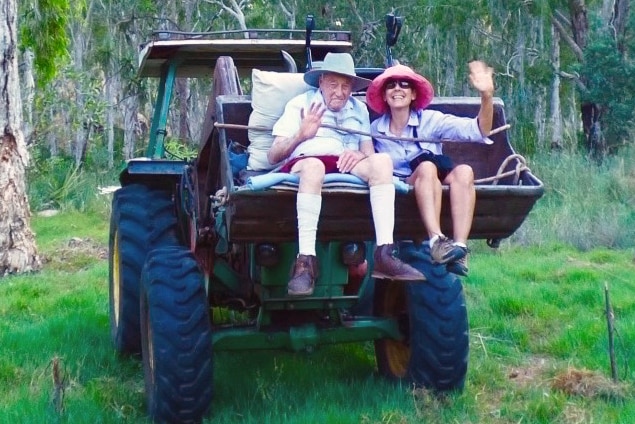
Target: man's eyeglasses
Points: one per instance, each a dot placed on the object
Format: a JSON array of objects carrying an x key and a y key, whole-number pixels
[{"x": 393, "y": 83}]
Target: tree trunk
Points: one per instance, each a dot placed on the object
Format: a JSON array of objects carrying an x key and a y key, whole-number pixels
[
  {"x": 450, "y": 66},
  {"x": 18, "y": 252},
  {"x": 82, "y": 130},
  {"x": 556, "y": 112},
  {"x": 579, "y": 22},
  {"x": 130, "y": 108},
  {"x": 618, "y": 23},
  {"x": 51, "y": 136},
  {"x": 590, "y": 111},
  {"x": 184, "y": 89},
  {"x": 29, "y": 94},
  {"x": 183, "y": 94},
  {"x": 236, "y": 10},
  {"x": 521, "y": 44},
  {"x": 110, "y": 90},
  {"x": 289, "y": 11}
]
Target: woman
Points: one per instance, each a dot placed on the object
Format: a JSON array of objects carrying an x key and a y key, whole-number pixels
[{"x": 401, "y": 96}]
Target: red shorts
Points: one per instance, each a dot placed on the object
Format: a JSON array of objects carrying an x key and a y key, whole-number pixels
[{"x": 330, "y": 163}]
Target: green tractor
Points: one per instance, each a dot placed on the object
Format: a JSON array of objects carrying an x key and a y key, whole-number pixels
[{"x": 191, "y": 240}]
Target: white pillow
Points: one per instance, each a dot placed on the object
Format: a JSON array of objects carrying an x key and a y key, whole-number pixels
[{"x": 270, "y": 92}]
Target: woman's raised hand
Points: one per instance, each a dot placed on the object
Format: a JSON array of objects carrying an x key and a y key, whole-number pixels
[{"x": 482, "y": 77}]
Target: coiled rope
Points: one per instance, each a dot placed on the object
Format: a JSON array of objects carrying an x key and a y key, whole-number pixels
[{"x": 521, "y": 165}]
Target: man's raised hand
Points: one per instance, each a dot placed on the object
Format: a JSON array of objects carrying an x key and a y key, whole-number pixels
[{"x": 311, "y": 121}]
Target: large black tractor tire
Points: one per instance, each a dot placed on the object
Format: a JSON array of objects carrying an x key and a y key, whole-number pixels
[
  {"x": 176, "y": 338},
  {"x": 433, "y": 319},
  {"x": 141, "y": 219}
]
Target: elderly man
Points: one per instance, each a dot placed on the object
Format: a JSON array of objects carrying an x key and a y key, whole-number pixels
[{"x": 309, "y": 150}]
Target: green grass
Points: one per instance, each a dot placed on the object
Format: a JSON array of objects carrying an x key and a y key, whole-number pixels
[
  {"x": 535, "y": 313},
  {"x": 536, "y": 308},
  {"x": 585, "y": 205}
]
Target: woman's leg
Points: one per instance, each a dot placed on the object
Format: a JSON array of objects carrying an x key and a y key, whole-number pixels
[
  {"x": 428, "y": 190},
  {"x": 462, "y": 200}
]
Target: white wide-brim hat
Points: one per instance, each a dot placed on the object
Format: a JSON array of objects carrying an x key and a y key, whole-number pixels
[{"x": 337, "y": 63}]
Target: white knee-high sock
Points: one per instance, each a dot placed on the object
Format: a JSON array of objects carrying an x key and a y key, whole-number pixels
[
  {"x": 382, "y": 204},
  {"x": 308, "y": 207}
]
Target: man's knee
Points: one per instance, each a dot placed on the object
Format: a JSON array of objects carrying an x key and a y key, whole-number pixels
[
  {"x": 311, "y": 166},
  {"x": 311, "y": 171},
  {"x": 375, "y": 169}
]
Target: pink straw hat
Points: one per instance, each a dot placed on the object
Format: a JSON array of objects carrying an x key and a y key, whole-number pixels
[{"x": 375, "y": 92}]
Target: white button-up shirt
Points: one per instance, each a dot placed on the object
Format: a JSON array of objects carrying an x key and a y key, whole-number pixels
[
  {"x": 427, "y": 125},
  {"x": 327, "y": 141}
]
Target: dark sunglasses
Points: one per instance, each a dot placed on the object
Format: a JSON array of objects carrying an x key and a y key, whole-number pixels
[{"x": 393, "y": 83}]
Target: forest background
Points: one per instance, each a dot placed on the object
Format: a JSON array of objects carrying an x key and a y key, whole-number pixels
[{"x": 564, "y": 69}]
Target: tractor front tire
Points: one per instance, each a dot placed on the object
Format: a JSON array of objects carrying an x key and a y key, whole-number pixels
[
  {"x": 141, "y": 219},
  {"x": 176, "y": 338}
]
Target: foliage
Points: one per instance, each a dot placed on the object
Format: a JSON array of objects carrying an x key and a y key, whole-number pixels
[
  {"x": 56, "y": 183},
  {"x": 438, "y": 38},
  {"x": 610, "y": 80},
  {"x": 43, "y": 25},
  {"x": 176, "y": 149}
]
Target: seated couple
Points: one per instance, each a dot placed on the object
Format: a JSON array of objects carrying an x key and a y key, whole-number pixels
[{"x": 305, "y": 148}]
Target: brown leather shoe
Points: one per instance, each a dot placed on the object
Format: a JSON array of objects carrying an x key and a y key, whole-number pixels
[
  {"x": 303, "y": 274},
  {"x": 388, "y": 266}
]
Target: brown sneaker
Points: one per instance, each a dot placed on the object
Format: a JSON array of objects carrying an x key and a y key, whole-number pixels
[
  {"x": 458, "y": 267},
  {"x": 444, "y": 250},
  {"x": 303, "y": 276},
  {"x": 388, "y": 266}
]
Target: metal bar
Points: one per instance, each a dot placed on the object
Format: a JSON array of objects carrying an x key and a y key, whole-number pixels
[
  {"x": 155, "y": 117},
  {"x": 246, "y": 31},
  {"x": 348, "y": 130},
  {"x": 161, "y": 113},
  {"x": 305, "y": 337}
]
